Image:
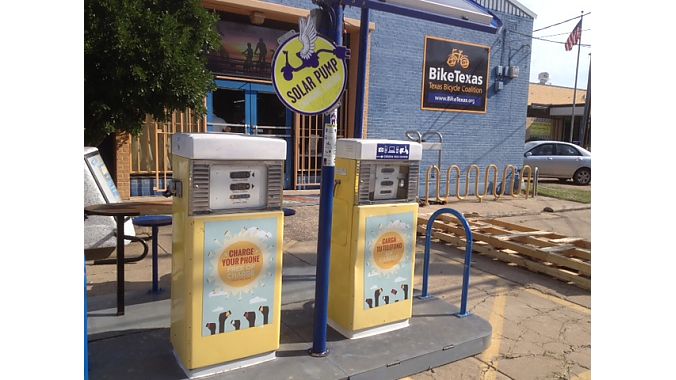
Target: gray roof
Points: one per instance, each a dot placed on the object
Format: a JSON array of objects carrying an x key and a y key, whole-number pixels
[{"x": 512, "y": 7}]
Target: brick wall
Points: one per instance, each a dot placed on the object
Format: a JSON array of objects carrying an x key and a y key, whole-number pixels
[
  {"x": 122, "y": 164},
  {"x": 395, "y": 79}
]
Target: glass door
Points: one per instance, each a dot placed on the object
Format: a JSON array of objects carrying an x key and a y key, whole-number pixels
[{"x": 252, "y": 109}]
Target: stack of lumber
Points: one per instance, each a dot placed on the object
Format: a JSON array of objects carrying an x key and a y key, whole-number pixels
[{"x": 565, "y": 258}]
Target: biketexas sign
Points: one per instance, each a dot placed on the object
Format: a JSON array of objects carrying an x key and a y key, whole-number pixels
[
  {"x": 455, "y": 76},
  {"x": 309, "y": 71}
]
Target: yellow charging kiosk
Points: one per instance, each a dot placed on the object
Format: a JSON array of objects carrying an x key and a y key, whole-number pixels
[
  {"x": 373, "y": 237},
  {"x": 227, "y": 250}
]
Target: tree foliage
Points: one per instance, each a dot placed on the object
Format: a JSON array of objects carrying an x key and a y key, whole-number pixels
[{"x": 144, "y": 57}]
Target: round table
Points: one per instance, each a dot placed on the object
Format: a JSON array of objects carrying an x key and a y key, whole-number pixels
[{"x": 120, "y": 211}]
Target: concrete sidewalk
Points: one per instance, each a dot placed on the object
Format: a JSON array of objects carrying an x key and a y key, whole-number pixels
[{"x": 541, "y": 326}]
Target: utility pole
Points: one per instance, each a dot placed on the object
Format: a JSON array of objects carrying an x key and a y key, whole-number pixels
[
  {"x": 572, "y": 118},
  {"x": 587, "y": 111}
]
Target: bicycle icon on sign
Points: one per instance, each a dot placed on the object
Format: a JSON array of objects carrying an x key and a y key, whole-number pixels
[{"x": 456, "y": 57}]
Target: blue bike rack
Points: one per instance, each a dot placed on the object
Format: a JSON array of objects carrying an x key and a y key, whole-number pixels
[{"x": 468, "y": 257}]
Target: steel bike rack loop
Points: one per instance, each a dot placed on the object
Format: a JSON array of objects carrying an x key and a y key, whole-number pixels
[
  {"x": 433, "y": 146},
  {"x": 530, "y": 178},
  {"x": 427, "y": 184},
  {"x": 536, "y": 179},
  {"x": 476, "y": 181},
  {"x": 495, "y": 179},
  {"x": 457, "y": 182},
  {"x": 468, "y": 257},
  {"x": 410, "y": 136},
  {"x": 504, "y": 179},
  {"x": 512, "y": 168}
]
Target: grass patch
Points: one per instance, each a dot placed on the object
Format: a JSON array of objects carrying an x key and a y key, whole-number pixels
[{"x": 582, "y": 196}]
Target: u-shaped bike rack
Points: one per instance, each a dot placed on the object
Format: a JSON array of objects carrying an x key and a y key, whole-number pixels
[{"x": 468, "y": 257}]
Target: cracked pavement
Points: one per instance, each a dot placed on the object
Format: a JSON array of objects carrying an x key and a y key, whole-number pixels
[{"x": 541, "y": 330}]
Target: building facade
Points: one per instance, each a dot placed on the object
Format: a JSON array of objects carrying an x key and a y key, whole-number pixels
[
  {"x": 245, "y": 102},
  {"x": 550, "y": 111}
]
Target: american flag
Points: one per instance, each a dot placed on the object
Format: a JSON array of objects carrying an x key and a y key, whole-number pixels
[{"x": 575, "y": 36}]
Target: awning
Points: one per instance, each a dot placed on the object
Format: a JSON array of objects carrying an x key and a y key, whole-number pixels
[{"x": 460, "y": 13}]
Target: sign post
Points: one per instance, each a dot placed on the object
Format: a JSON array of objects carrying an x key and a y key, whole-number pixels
[{"x": 309, "y": 77}]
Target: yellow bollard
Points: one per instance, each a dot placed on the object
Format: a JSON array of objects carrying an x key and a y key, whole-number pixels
[
  {"x": 530, "y": 178},
  {"x": 476, "y": 182},
  {"x": 495, "y": 179},
  {"x": 457, "y": 182}
]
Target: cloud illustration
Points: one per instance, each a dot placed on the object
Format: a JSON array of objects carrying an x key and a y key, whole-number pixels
[
  {"x": 373, "y": 273},
  {"x": 216, "y": 310},
  {"x": 374, "y": 287},
  {"x": 257, "y": 300},
  {"x": 399, "y": 279},
  {"x": 217, "y": 292}
]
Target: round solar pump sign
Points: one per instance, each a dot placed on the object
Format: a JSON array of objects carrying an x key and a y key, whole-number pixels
[{"x": 309, "y": 71}]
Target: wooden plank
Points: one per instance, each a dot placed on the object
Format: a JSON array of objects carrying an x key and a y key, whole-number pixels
[
  {"x": 512, "y": 226},
  {"x": 523, "y": 234},
  {"x": 584, "y": 268},
  {"x": 539, "y": 242},
  {"x": 582, "y": 282},
  {"x": 557, "y": 248}
]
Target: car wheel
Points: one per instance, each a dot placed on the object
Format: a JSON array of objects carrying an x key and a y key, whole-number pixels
[{"x": 582, "y": 176}]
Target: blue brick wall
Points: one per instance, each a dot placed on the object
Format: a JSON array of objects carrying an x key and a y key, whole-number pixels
[{"x": 395, "y": 88}]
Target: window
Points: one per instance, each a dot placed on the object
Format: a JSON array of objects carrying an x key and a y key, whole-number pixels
[
  {"x": 566, "y": 150},
  {"x": 543, "y": 150}
]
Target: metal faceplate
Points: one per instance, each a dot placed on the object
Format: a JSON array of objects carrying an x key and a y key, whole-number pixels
[
  {"x": 387, "y": 182},
  {"x": 222, "y": 187}
]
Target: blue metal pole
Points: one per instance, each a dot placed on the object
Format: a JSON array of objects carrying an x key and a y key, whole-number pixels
[
  {"x": 361, "y": 73},
  {"x": 468, "y": 256},
  {"x": 156, "y": 288},
  {"x": 467, "y": 265},
  {"x": 86, "y": 343},
  {"x": 321, "y": 311}
]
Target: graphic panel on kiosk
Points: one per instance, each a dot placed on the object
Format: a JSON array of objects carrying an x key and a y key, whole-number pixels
[
  {"x": 373, "y": 245},
  {"x": 227, "y": 250}
]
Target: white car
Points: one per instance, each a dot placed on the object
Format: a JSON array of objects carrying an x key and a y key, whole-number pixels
[{"x": 560, "y": 160}]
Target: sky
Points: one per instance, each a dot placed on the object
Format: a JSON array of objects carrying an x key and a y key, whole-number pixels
[{"x": 552, "y": 57}]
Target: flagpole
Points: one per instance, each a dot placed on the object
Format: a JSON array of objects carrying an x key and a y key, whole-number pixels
[{"x": 572, "y": 117}]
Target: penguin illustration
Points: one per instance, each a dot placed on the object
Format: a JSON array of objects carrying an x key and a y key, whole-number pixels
[
  {"x": 221, "y": 321},
  {"x": 212, "y": 328},
  {"x": 265, "y": 310},
  {"x": 235, "y": 323},
  {"x": 404, "y": 287},
  {"x": 251, "y": 317},
  {"x": 377, "y": 296},
  {"x": 370, "y": 303},
  {"x": 387, "y": 300}
]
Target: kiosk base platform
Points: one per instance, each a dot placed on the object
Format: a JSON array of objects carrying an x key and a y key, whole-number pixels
[{"x": 139, "y": 341}]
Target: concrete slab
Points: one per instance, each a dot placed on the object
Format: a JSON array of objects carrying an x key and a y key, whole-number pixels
[
  {"x": 137, "y": 346},
  {"x": 139, "y": 340}
]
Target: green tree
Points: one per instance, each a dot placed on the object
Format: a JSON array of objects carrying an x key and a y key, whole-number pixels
[{"x": 144, "y": 57}]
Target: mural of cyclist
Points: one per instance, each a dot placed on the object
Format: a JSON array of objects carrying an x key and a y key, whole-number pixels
[
  {"x": 248, "y": 54},
  {"x": 262, "y": 51}
]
